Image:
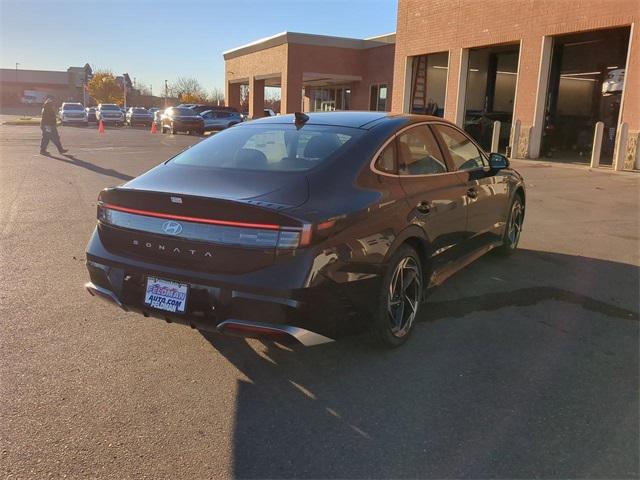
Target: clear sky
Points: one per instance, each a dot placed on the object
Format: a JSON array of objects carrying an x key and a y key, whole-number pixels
[{"x": 154, "y": 40}]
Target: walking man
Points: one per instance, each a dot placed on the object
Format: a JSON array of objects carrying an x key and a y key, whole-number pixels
[{"x": 49, "y": 128}]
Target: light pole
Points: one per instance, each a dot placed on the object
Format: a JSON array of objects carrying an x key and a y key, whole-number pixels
[
  {"x": 166, "y": 89},
  {"x": 124, "y": 89},
  {"x": 17, "y": 86}
]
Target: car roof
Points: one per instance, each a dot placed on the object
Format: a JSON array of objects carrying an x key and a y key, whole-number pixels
[{"x": 353, "y": 119}]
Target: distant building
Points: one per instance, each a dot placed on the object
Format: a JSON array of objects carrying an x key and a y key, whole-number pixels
[
  {"x": 547, "y": 71},
  {"x": 315, "y": 72},
  {"x": 19, "y": 87}
]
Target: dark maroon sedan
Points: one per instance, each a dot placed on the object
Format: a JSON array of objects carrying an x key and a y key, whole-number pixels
[
  {"x": 181, "y": 119},
  {"x": 305, "y": 226}
]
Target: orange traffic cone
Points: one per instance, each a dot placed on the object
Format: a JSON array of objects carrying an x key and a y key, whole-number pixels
[
  {"x": 154, "y": 128},
  {"x": 101, "y": 127}
]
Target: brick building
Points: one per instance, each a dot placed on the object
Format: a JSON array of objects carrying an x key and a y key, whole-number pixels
[
  {"x": 554, "y": 67},
  {"x": 30, "y": 86},
  {"x": 548, "y": 70},
  {"x": 314, "y": 72}
]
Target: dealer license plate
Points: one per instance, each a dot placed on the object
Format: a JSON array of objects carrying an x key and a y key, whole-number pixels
[{"x": 166, "y": 295}]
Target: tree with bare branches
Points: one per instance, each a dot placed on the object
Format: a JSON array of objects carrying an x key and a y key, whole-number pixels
[
  {"x": 217, "y": 96},
  {"x": 188, "y": 90}
]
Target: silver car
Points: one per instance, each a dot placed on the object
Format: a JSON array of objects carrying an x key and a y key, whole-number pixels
[
  {"x": 109, "y": 113},
  {"x": 139, "y": 116},
  {"x": 72, "y": 112},
  {"x": 219, "y": 119}
]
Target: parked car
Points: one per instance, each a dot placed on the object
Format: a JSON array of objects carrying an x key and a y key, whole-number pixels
[
  {"x": 305, "y": 226},
  {"x": 72, "y": 113},
  {"x": 91, "y": 114},
  {"x": 109, "y": 113},
  {"x": 204, "y": 108},
  {"x": 153, "y": 110},
  {"x": 614, "y": 82},
  {"x": 181, "y": 119},
  {"x": 219, "y": 120},
  {"x": 139, "y": 116}
]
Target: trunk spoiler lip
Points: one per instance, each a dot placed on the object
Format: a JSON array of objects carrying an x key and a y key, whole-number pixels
[{"x": 185, "y": 218}]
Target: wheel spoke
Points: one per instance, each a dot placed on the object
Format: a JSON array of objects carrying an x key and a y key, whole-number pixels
[{"x": 404, "y": 296}]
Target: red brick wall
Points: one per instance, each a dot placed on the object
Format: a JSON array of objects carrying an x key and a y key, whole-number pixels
[
  {"x": 373, "y": 65},
  {"x": 429, "y": 26}
]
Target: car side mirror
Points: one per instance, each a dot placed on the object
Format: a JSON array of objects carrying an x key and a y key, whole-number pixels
[{"x": 498, "y": 161}]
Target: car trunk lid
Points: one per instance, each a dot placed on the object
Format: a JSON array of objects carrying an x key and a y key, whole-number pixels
[{"x": 216, "y": 223}]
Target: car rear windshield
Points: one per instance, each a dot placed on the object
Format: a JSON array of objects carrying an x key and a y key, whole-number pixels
[
  {"x": 184, "y": 111},
  {"x": 73, "y": 107},
  {"x": 109, "y": 107},
  {"x": 280, "y": 148},
  {"x": 140, "y": 110}
]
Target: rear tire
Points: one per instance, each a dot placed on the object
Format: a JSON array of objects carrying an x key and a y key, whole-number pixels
[
  {"x": 400, "y": 299},
  {"x": 513, "y": 227}
]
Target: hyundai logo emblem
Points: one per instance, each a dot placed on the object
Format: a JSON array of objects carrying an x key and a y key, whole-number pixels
[{"x": 172, "y": 228}]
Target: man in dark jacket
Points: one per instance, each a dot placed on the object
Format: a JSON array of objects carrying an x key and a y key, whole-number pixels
[{"x": 48, "y": 125}]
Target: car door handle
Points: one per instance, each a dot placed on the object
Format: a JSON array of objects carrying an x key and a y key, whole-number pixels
[
  {"x": 424, "y": 207},
  {"x": 472, "y": 192}
]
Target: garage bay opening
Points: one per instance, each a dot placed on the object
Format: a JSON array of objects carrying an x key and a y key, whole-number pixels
[{"x": 586, "y": 84}]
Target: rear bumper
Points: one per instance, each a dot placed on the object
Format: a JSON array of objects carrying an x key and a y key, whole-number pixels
[
  {"x": 74, "y": 120},
  {"x": 232, "y": 326},
  {"x": 188, "y": 125},
  {"x": 112, "y": 120},
  {"x": 272, "y": 301},
  {"x": 141, "y": 120}
]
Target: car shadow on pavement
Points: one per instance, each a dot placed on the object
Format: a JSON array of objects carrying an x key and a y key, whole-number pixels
[
  {"x": 517, "y": 376},
  {"x": 68, "y": 158}
]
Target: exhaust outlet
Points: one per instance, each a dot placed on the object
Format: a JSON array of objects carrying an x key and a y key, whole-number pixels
[{"x": 245, "y": 328}]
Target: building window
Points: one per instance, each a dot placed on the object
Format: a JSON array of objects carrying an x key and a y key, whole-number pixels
[
  {"x": 325, "y": 99},
  {"x": 378, "y": 97}
]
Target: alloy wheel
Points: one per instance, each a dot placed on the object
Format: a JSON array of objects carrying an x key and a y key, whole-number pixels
[
  {"x": 405, "y": 290},
  {"x": 515, "y": 223}
]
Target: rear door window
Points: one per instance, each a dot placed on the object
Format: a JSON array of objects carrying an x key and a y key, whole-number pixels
[
  {"x": 419, "y": 153},
  {"x": 386, "y": 161}
]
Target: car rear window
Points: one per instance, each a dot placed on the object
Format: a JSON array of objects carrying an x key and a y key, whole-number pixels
[
  {"x": 280, "y": 148},
  {"x": 109, "y": 107},
  {"x": 72, "y": 107},
  {"x": 186, "y": 112}
]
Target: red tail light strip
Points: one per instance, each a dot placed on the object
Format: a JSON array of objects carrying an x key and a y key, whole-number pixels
[{"x": 170, "y": 216}]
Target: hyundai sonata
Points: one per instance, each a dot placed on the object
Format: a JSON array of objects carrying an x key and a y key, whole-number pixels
[{"x": 305, "y": 226}]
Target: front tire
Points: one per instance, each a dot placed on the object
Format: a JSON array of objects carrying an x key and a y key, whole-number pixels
[
  {"x": 513, "y": 227},
  {"x": 400, "y": 298}
]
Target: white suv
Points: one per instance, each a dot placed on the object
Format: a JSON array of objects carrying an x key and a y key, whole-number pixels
[
  {"x": 109, "y": 113},
  {"x": 71, "y": 112}
]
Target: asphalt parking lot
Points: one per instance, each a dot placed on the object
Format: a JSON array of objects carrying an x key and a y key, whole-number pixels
[{"x": 520, "y": 368}]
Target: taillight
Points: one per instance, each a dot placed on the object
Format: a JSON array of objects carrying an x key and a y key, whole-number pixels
[{"x": 244, "y": 234}]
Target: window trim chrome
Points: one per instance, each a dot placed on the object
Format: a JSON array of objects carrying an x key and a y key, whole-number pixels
[{"x": 372, "y": 163}]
